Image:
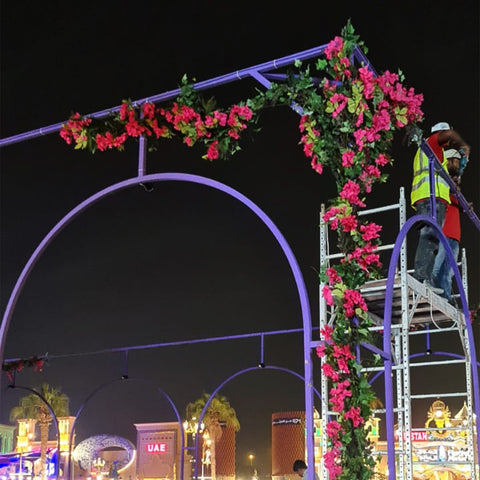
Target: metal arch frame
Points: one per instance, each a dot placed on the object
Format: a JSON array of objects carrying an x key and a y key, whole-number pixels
[
  {"x": 54, "y": 418},
  {"x": 388, "y": 362},
  {"x": 261, "y": 74},
  {"x": 230, "y": 378},
  {"x": 100, "y": 388},
  {"x": 143, "y": 179}
]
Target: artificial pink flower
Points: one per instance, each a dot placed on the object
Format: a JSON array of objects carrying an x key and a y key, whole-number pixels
[
  {"x": 334, "y": 47},
  {"x": 354, "y": 415},
  {"x": 327, "y": 295},
  {"x": 326, "y": 332},
  {"x": 329, "y": 372},
  {"x": 370, "y": 231},
  {"x": 333, "y": 276},
  {"x": 381, "y": 160},
  {"x": 350, "y": 193},
  {"x": 213, "y": 153},
  {"x": 349, "y": 223},
  {"x": 347, "y": 158}
]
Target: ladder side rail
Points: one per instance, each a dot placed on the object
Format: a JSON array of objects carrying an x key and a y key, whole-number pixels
[
  {"x": 400, "y": 406},
  {"x": 323, "y": 320},
  {"x": 464, "y": 272},
  {"x": 404, "y": 401},
  {"x": 469, "y": 403}
]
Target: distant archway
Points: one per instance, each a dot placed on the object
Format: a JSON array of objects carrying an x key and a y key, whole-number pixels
[
  {"x": 87, "y": 450},
  {"x": 229, "y": 379}
]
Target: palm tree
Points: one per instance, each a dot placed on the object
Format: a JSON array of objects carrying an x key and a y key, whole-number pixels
[
  {"x": 33, "y": 407},
  {"x": 219, "y": 411}
]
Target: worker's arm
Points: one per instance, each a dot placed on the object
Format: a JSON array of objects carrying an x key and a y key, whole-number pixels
[{"x": 451, "y": 138}]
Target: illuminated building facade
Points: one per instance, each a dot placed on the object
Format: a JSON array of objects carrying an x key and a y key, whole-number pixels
[
  {"x": 288, "y": 443},
  {"x": 6, "y": 438},
  {"x": 158, "y": 450},
  {"x": 439, "y": 447}
]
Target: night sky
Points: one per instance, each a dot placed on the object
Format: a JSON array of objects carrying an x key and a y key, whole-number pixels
[{"x": 185, "y": 261}]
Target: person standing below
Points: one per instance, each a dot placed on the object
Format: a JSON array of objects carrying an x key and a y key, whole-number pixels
[
  {"x": 442, "y": 270},
  {"x": 300, "y": 468},
  {"x": 443, "y": 137}
]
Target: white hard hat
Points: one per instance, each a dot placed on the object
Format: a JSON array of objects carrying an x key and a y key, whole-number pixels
[
  {"x": 452, "y": 153},
  {"x": 440, "y": 126}
]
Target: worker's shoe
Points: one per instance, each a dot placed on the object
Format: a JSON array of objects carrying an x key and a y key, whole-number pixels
[{"x": 436, "y": 290}]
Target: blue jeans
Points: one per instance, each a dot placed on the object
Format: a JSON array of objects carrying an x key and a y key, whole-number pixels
[
  {"x": 442, "y": 270},
  {"x": 428, "y": 242}
]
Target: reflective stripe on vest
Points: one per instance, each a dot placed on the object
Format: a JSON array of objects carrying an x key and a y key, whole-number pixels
[{"x": 421, "y": 180}]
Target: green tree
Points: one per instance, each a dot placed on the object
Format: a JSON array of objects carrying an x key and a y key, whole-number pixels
[
  {"x": 33, "y": 407},
  {"x": 219, "y": 411}
]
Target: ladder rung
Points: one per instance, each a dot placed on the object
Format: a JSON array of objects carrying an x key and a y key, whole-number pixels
[{"x": 437, "y": 395}]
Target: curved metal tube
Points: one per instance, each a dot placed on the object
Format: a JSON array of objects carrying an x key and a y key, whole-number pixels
[
  {"x": 101, "y": 387},
  {"x": 142, "y": 179},
  {"x": 221, "y": 385},
  {"x": 389, "y": 423},
  {"x": 54, "y": 418}
]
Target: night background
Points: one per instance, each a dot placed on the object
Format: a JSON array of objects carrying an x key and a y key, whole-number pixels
[{"x": 184, "y": 261}]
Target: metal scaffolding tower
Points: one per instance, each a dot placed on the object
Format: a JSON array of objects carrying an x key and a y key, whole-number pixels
[{"x": 416, "y": 311}]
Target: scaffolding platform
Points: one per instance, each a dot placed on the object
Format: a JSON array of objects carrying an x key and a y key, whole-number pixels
[
  {"x": 424, "y": 306},
  {"x": 416, "y": 312}
]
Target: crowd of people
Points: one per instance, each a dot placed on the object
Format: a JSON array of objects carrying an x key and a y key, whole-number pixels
[{"x": 431, "y": 265}]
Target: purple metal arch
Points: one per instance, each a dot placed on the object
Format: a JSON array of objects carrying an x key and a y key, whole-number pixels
[
  {"x": 142, "y": 179},
  {"x": 221, "y": 385},
  {"x": 54, "y": 418},
  {"x": 387, "y": 318},
  {"x": 101, "y": 387}
]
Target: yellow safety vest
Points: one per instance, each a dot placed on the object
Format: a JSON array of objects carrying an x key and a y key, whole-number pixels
[{"x": 421, "y": 180}]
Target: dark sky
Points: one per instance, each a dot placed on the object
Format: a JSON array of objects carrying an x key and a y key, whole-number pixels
[{"x": 185, "y": 262}]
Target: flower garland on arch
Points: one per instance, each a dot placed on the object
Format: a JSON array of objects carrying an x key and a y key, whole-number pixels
[
  {"x": 189, "y": 116},
  {"x": 13, "y": 366},
  {"x": 348, "y": 122}
]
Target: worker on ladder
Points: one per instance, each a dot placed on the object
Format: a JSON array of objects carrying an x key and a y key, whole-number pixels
[{"x": 442, "y": 137}]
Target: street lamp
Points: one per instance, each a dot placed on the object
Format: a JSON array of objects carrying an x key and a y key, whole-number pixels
[{"x": 251, "y": 456}]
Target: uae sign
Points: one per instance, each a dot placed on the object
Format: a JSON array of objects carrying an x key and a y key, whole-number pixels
[{"x": 158, "y": 447}]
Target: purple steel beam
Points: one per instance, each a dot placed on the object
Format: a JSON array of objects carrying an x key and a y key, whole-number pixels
[
  {"x": 173, "y": 344},
  {"x": 253, "y": 72},
  {"x": 361, "y": 58},
  {"x": 387, "y": 318}
]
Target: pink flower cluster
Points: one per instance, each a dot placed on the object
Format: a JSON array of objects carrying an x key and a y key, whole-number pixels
[
  {"x": 352, "y": 299},
  {"x": 334, "y": 47},
  {"x": 340, "y": 355},
  {"x": 370, "y": 231},
  {"x": 182, "y": 118},
  {"x": 350, "y": 193},
  {"x": 75, "y": 129},
  {"x": 308, "y": 139},
  {"x": 365, "y": 257}
]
